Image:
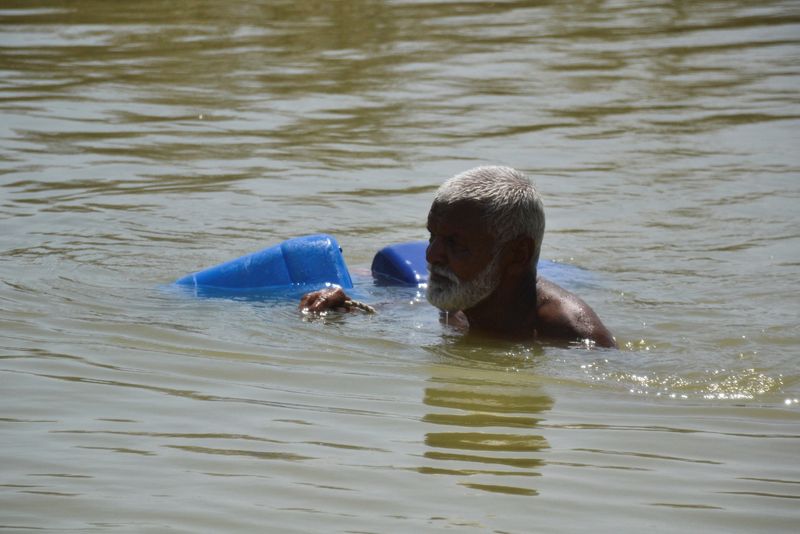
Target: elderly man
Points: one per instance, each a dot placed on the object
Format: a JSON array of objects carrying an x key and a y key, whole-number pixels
[{"x": 486, "y": 227}]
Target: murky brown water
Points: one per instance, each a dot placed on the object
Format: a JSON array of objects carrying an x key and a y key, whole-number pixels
[{"x": 140, "y": 141}]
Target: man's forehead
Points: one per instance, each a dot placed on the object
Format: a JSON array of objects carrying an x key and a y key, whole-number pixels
[
  {"x": 456, "y": 210},
  {"x": 460, "y": 216}
]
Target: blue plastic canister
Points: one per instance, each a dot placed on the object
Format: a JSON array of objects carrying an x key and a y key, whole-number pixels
[
  {"x": 401, "y": 264},
  {"x": 311, "y": 261}
]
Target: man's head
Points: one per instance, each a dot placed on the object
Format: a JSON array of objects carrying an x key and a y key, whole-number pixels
[{"x": 473, "y": 216}]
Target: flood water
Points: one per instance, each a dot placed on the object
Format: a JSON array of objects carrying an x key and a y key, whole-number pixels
[{"x": 140, "y": 141}]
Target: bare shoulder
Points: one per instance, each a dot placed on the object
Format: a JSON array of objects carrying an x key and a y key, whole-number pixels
[{"x": 562, "y": 314}]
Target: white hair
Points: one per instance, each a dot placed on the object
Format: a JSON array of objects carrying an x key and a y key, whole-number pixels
[{"x": 511, "y": 205}]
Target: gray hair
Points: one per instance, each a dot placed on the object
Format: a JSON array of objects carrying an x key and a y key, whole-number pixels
[{"x": 511, "y": 205}]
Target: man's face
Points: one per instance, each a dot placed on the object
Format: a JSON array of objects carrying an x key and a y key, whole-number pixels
[{"x": 463, "y": 269}]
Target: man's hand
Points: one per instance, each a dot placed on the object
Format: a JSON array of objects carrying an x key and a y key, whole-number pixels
[{"x": 325, "y": 299}]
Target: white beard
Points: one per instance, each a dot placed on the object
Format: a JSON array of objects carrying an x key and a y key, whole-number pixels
[{"x": 454, "y": 295}]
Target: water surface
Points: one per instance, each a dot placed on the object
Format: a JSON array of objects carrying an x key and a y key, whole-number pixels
[{"x": 141, "y": 141}]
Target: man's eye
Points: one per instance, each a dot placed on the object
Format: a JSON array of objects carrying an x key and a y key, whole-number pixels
[{"x": 455, "y": 246}]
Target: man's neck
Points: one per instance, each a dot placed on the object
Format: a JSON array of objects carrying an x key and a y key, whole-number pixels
[{"x": 509, "y": 311}]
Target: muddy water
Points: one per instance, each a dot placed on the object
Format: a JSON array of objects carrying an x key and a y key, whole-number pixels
[{"x": 141, "y": 141}]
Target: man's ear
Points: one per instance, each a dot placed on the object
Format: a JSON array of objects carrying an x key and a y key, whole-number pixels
[{"x": 519, "y": 253}]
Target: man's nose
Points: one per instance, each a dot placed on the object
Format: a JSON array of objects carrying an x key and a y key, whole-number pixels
[{"x": 434, "y": 254}]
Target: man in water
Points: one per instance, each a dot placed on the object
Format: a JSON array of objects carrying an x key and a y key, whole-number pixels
[{"x": 486, "y": 227}]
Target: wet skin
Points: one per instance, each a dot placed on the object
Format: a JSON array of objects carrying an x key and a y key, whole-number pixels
[{"x": 523, "y": 306}]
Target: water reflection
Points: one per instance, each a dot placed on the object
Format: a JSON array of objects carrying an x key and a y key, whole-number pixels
[{"x": 484, "y": 422}]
